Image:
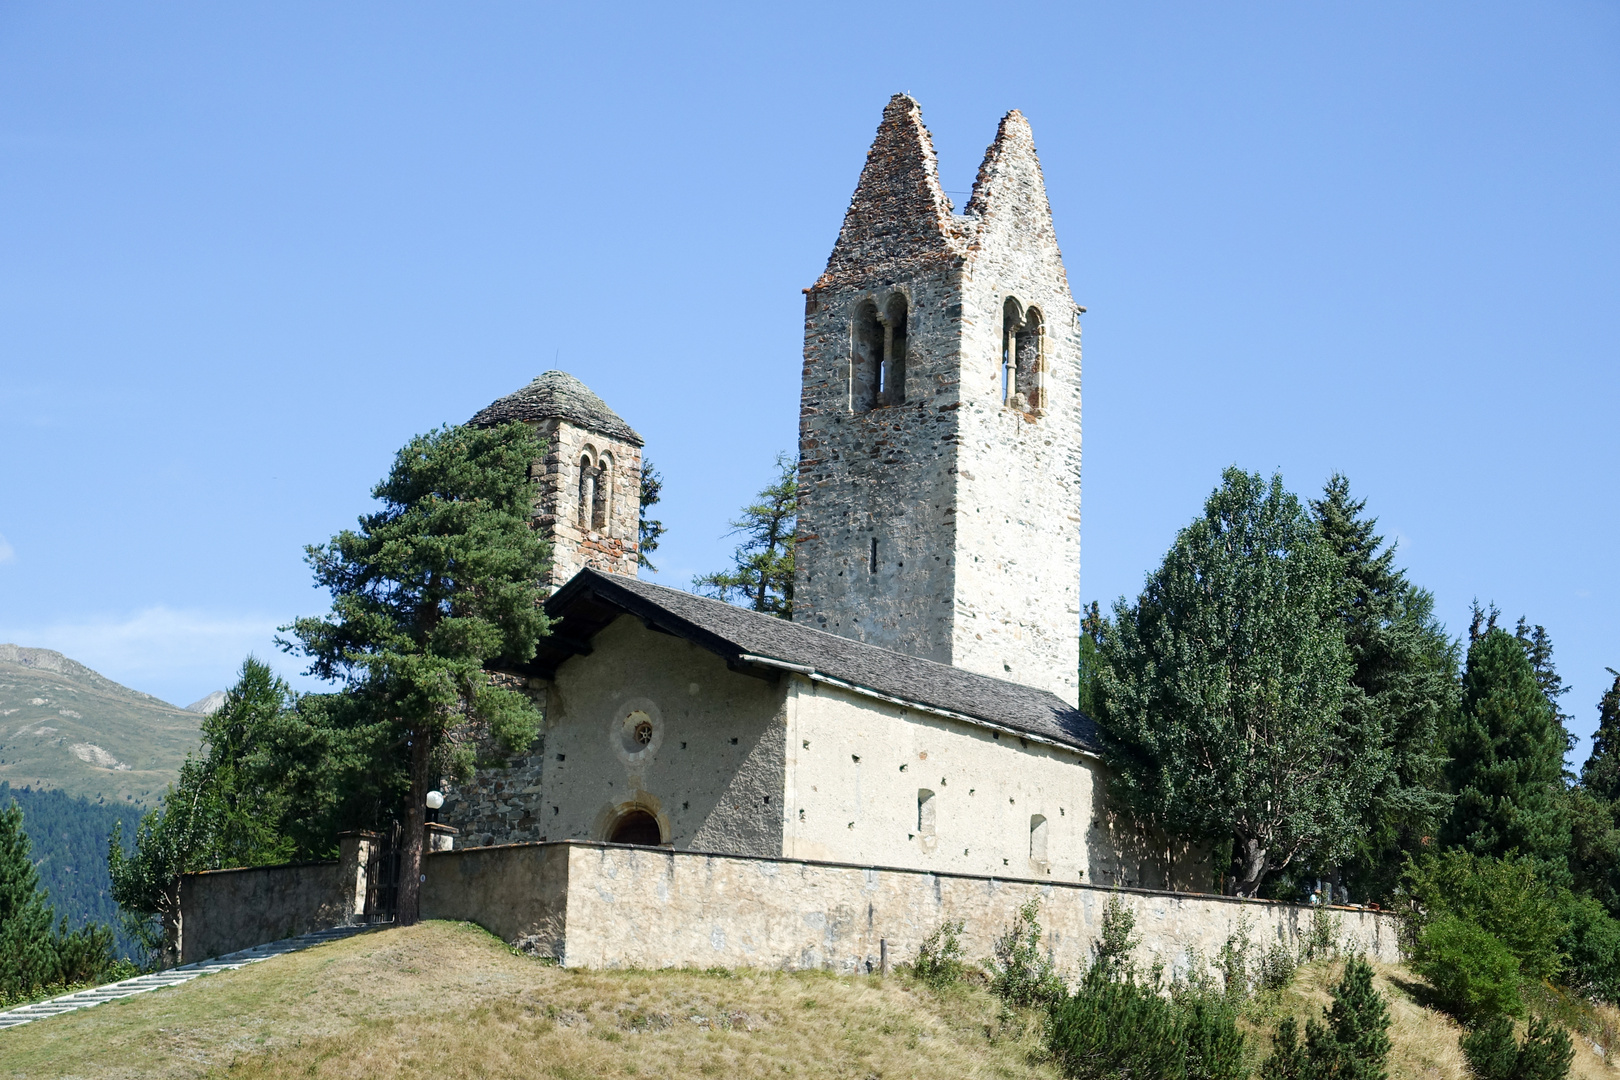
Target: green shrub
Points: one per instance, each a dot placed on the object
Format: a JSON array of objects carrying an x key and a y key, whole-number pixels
[
  {"x": 1115, "y": 1027},
  {"x": 1277, "y": 967},
  {"x": 1287, "y": 1060},
  {"x": 1214, "y": 1045},
  {"x": 1352, "y": 1045},
  {"x": 1474, "y": 975},
  {"x": 1355, "y": 1043},
  {"x": 1493, "y": 1053},
  {"x": 1500, "y": 896},
  {"x": 939, "y": 960},
  {"x": 1021, "y": 972},
  {"x": 1592, "y": 944},
  {"x": 1113, "y": 948}
]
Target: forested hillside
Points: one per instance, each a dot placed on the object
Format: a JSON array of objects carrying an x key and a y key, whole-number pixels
[{"x": 68, "y": 836}]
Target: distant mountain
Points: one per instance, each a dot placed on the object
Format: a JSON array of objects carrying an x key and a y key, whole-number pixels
[
  {"x": 209, "y": 705},
  {"x": 65, "y": 727}
]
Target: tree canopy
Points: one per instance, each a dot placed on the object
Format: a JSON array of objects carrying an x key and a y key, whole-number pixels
[
  {"x": 1402, "y": 691},
  {"x": 1507, "y": 757},
  {"x": 761, "y": 575},
  {"x": 440, "y": 585},
  {"x": 1224, "y": 684}
]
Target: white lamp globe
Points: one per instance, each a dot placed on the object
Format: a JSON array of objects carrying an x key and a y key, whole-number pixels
[{"x": 435, "y": 799}]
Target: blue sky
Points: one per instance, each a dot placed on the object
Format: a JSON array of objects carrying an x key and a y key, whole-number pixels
[{"x": 248, "y": 250}]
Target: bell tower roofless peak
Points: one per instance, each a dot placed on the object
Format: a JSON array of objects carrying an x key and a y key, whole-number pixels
[{"x": 939, "y": 421}]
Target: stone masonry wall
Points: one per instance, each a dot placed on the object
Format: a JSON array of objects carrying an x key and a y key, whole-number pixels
[
  {"x": 1018, "y": 493},
  {"x": 973, "y": 505},
  {"x": 577, "y": 544},
  {"x": 606, "y": 906}
]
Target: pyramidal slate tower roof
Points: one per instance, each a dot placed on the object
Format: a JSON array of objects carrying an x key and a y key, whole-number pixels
[{"x": 557, "y": 395}]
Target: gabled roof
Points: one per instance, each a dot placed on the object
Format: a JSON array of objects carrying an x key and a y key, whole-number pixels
[
  {"x": 757, "y": 643},
  {"x": 558, "y": 395}
]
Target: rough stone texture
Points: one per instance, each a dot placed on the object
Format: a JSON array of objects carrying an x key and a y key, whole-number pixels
[
  {"x": 557, "y": 395},
  {"x": 501, "y": 804},
  {"x": 588, "y": 497},
  {"x": 972, "y": 503},
  {"x": 711, "y": 774},
  {"x": 605, "y": 906},
  {"x": 222, "y": 911}
]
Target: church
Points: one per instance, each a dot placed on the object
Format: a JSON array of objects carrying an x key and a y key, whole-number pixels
[{"x": 919, "y": 710}]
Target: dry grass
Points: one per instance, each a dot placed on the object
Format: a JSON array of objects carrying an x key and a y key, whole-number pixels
[
  {"x": 446, "y": 1001},
  {"x": 1424, "y": 1042}
]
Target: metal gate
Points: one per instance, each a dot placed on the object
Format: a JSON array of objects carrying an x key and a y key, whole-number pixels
[{"x": 382, "y": 876}]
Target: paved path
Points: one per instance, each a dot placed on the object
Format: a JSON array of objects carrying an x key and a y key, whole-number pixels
[{"x": 172, "y": 977}]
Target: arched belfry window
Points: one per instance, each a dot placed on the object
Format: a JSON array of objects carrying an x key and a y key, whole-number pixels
[
  {"x": 1023, "y": 350},
  {"x": 877, "y": 368},
  {"x": 602, "y": 505},
  {"x": 587, "y": 492}
]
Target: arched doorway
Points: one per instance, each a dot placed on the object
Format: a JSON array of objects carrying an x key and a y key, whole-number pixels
[{"x": 636, "y": 827}]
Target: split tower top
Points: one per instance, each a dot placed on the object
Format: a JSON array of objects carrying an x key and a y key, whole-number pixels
[{"x": 939, "y": 433}]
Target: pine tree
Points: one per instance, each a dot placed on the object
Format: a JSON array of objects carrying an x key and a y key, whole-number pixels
[
  {"x": 1288, "y": 1060},
  {"x": 761, "y": 576},
  {"x": 1091, "y": 635},
  {"x": 1601, "y": 773},
  {"x": 1507, "y": 762},
  {"x": 28, "y": 959},
  {"x": 436, "y": 587},
  {"x": 1401, "y": 690},
  {"x": 1224, "y": 688},
  {"x": 1355, "y": 1043}
]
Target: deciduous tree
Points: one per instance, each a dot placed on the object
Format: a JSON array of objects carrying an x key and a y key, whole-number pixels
[{"x": 1224, "y": 688}]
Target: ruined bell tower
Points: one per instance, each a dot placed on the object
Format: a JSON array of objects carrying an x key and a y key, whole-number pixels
[{"x": 939, "y": 424}]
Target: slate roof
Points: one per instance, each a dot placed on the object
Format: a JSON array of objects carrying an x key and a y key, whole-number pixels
[
  {"x": 590, "y": 600},
  {"x": 557, "y": 394}
]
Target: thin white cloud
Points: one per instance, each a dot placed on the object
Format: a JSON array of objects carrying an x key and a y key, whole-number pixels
[
  {"x": 177, "y": 655},
  {"x": 7, "y": 552}
]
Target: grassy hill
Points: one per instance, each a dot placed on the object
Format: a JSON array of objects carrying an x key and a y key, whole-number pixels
[
  {"x": 445, "y": 1001},
  {"x": 64, "y": 727}
]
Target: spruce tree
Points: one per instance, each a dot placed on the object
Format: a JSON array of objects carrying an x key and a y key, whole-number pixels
[
  {"x": 1223, "y": 689},
  {"x": 28, "y": 960},
  {"x": 1402, "y": 687},
  {"x": 1507, "y": 759},
  {"x": 649, "y": 530},
  {"x": 1601, "y": 773}
]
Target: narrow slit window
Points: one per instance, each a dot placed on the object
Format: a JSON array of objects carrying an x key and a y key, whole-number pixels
[
  {"x": 866, "y": 359},
  {"x": 925, "y": 812},
  {"x": 871, "y": 562},
  {"x": 1037, "y": 838}
]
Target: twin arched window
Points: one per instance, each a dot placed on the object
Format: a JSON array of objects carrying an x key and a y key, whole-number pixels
[
  {"x": 1023, "y": 351},
  {"x": 595, "y": 491},
  {"x": 877, "y": 366}
]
